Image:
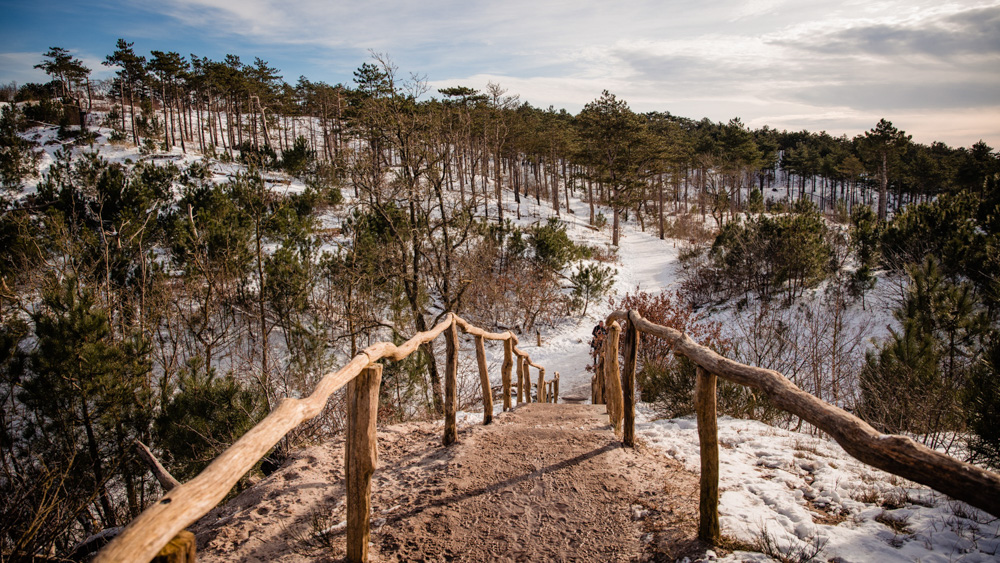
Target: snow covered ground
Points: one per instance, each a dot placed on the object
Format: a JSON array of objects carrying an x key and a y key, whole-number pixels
[
  {"x": 643, "y": 262},
  {"x": 806, "y": 493},
  {"x": 788, "y": 493}
]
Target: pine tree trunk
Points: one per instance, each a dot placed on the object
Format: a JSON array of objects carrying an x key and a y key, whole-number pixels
[
  {"x": 181, "y": 122},
  {"x": 167, "y": 123},
  {"x": 616, "y": 221},
  {"x": 660, "y": 201},
  {"x": 131, "y": 105},
  {"x": 107, "y": 510},
  {"x": 497, "y": 183},
  {"x": 121, "y": 89},
  {"x": 883, "y": 190},
  {"x": 590, "y": 198}
]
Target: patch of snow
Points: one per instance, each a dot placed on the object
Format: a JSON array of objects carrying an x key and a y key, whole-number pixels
[{"x": 807, "y": 492}]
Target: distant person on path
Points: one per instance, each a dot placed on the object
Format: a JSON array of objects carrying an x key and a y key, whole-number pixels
[{"x": 599, "y": 333}]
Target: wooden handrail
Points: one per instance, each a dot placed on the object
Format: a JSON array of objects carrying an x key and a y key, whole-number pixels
[
  {"x": 525, "y": 355},
  {"x": 186, "y": 503},
  {"x": 899, "y": 455},
  {"x": 476, "y": 331}
]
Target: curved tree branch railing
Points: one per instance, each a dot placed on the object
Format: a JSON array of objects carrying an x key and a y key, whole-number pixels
[
  {"x": 184, "y": 504},
  {"x": 895, "y": 454}
]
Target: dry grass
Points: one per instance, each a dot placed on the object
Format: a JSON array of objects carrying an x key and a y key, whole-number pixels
[
  {"x": 898, "y": 523},
  {"x": 826, "y": 515}
]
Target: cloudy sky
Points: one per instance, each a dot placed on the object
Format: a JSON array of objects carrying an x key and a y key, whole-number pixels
[{"x": 930, "y": 67}]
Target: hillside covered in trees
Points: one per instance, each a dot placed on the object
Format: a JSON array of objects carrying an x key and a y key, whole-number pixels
[{"x": 185, "y": 245}]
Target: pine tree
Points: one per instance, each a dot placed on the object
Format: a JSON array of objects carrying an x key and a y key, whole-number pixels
[
  {"x": 865, "y": 241},
  {"x": 884, "y": 143},
  {"x": 205, "y": 415},
  {"x": 913, "y": 382},
  {"x": 63, "y": 68},
  {"x": 590, "y": 282},
  {"x": 18, "y": 159},
  {"x": 168, "y": 67},
  {"x": 131, "y": 77},
  {"x": 619, "y": 149},
  {"x": 981, "y": 401},
  {"x": 70, "y": 73},
  {"x": 88, "y": 393}
]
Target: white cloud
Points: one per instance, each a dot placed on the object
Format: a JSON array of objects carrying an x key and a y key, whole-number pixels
[
  {"x": 19, "y": 66},
  {"x": 807, "y": 63}
]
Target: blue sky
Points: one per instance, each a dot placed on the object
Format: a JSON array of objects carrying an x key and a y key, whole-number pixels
[{"x": 931, "y": 68}]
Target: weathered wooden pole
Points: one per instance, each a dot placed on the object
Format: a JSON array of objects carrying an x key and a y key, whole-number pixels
[
  {"x": 708, "y": 440},
  {"x": 361, "y": 457},
  {"x": 599, "y": 381},
  {"x": 628, "y": 382},
  {"x": 450, "y": 385},
  {"x": 484, "y": 380},
  {"x": 555, "y": 388},
  {"x": 612, "y": 378},
  {"x": 527, "y": 379},
  {"x": 181, "y": 549},
  {"x": 520, "y": 378},
  {"x": 508, "y": 363},
  {"x": 541, "y": 385}
]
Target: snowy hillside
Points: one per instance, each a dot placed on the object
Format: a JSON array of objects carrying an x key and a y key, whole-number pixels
[
  {"x": 793, "y": 495},
  {"x": 786, "y": 495}
]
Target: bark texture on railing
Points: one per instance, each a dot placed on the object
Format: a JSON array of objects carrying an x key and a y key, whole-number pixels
[
  {"x": 541, "y": 386},
  {"x": 708, "y": 444},
  {"x": 361, "y": 457},
  {"x": 508, "y": 363},
  {"x": 484, "y": 380},
  {"x": 142, "y": 539},
  {"x": 628, "y": 384},
  {"x": 612, "y": 378},
  {"x": 895, "y": 454},
  {"x": 450, "y": 386}
]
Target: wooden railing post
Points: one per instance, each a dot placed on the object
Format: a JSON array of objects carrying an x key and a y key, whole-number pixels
[
  {"x": 602, "y": 378},
  {"x": 527, "y": 380},
  {"x": 520, "y": 378},
  {"x": 555, "y": 388},
  {"x": 599, "y": 381},
  {"x": 541, "y": 385},
  {"x": 612, "y": 377},
  {"x": 628, "y": 382},
  {"x": 484, "y": 380},
  {"x": 708, "y": 440},
  {"x": 451, "y": 385},
  {"x": 505, "y": 369},
  {"x": 360, "y": 458}
]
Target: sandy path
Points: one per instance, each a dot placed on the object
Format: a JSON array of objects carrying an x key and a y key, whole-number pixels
[
  {"x": 542, "y": 483},
  {"x": 547, "y": 483}
]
